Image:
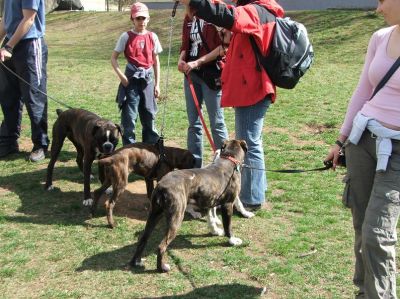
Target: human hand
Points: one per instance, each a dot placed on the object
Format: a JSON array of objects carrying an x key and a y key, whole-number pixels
[
  {"x": 157, "y": 91},
  {"x": 333, "y": 156},
  {"x": 181, "y": 66},
  {"x": 124, "y": 81},
  {"x": 4, "y": 54}
]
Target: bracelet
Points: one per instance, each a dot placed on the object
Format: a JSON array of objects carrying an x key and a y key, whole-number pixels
[
  {"x": 338, "y": 142},
  {"x": 9, "y": 49}
]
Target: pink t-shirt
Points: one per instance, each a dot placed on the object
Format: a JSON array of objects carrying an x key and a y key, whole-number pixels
[{"x": 385, "y": 105}]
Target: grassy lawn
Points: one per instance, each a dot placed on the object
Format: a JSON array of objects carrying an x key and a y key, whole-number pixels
[{"x": 50, "y": 248}]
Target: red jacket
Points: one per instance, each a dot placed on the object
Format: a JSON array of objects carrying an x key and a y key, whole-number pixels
[{"x": 242, "y": 84}]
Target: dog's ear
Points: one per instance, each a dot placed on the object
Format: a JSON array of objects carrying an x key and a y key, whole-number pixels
[{"x": 243, "y": 144}]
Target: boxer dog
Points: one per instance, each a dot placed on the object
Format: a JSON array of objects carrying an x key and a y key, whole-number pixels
[
  {"x": 216, "y": 184},
  {"x": 90, "y": 134},
  {"x": 142, "y": 159}
]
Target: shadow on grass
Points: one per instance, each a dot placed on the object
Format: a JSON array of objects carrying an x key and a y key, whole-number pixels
[
  {"x": 118, "y": 259},
  {"x": 59, "y": 206},
  {"x": 221, "y": 291}
]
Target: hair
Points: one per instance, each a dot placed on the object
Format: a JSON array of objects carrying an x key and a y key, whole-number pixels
[{"x": 244, "y": 2}]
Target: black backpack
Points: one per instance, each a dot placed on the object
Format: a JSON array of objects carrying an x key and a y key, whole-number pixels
[{"x": 291, "y": 53}]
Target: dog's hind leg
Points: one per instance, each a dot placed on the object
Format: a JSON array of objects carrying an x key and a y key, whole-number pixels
[
  {"x": 240, "y": 208},
  {"x": 174, "y": 221},
  {"x": 152, "y": 220},
  {"x": 226, "y": 212},
  {"x": 56, "y": 145},
  {"x": 212, "y": 221},
  {"x": 110, "y": 203},
  {"x": 97, "y": 194}
]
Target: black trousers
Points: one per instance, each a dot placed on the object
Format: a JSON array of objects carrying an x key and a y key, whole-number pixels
[{"x": 29, "y": 61}]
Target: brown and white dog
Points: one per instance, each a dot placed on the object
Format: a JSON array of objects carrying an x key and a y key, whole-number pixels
[
  {"x": 142, "y": 159},
  {"x": 216, "y": 184},
  {"x": 91, "y": 136}
]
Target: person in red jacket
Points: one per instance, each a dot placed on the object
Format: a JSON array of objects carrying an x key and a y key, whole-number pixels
[{"x": 245, "y": 88}]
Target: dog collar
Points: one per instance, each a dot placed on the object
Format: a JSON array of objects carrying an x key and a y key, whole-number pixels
[{"x": 234, "y": 161}]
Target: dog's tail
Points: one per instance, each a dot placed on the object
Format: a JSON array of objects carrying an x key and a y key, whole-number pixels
[{"x": 59, "y": 111}]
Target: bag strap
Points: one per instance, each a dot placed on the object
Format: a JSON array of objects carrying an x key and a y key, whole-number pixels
[
  {"x": 201, "y": 35},
  {"x": 386, "y": 78}
]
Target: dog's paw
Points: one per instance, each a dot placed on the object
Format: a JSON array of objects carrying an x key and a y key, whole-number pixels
[
  {"x": 216, "y": 231},
  {"x": 137, "y": 263},
  {"x": 49, "y": 188},
  {"x": 109, "y": 191},
  {"x": 235, "y": 241},
  {"x": 247, "y": 214},
  {"x": 165, "y": 268},
  {"x": 88, "y": 202}
]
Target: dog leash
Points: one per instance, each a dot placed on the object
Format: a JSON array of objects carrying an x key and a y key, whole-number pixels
[
  {"x": 36, "y": 89},
  {"x": 196, "y": 102},
  {"x": 171, "y": 28},
  {"x": 328, "y": 165}
]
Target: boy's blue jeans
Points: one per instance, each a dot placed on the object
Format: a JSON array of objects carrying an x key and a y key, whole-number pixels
[
  {"x": 212, "y": 100},
  {"x": 134, "y": 107},
  {"x": 248, "y": 125}
]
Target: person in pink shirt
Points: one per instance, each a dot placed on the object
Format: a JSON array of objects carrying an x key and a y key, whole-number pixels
[{"x": 371, "y": 137}]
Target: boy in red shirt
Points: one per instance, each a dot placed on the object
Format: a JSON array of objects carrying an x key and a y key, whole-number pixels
[{"x": 140, "y": 83}]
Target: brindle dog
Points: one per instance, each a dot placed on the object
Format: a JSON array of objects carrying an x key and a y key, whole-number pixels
[
  {"x": 216, "y": 184},
  {"x": 142, "y": 159}
]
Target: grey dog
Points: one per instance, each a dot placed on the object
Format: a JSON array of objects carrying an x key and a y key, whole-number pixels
[{"x": 216, "y": 184}]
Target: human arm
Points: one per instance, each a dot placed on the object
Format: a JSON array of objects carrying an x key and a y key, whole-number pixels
[
  {"x": 23, "y": 27},
  {"x": 114, "y": 62},
  {"x": 204, "y": 59},
  {"x": 156, "y": 75},
  {"x": 181, "y": 62}
]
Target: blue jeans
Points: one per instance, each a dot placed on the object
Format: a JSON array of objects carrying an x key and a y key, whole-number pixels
[
  {"x": 212, "y": 100},
  {"x": 134, "y": 106},
  {"x": 248, "y": 125}
]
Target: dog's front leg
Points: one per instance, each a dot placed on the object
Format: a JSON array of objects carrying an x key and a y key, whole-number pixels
[
  {"x": 87, "y": 168},
  {"x": 239, "y": 206},
  {"x": 226, "y": 213},
  {"x": 149, "y": 187}
]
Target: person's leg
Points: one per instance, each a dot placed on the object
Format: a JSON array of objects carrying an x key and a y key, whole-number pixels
[
  {"x": 212, "y": 100},
  {"x": 248, "y": 126},
  {"x": 379, "y": 231},
  {"x": 129, "y": 113},
  {"x": 195, "y": 129},
  {"x": 361, "y": 164},
  {"x": 147, "y": 117},
  {"x": 30, "y": 63},
  {"x": 11, "y": 105}
]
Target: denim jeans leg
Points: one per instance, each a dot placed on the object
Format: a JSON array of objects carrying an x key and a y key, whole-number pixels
[
  {"x": 129, "y": 114},
  {"x": 149, "y": 133},
  {"x": 195, "y": 129},
  {"x": 248, "y": 125},
  {"x": 212, "y": 99}
]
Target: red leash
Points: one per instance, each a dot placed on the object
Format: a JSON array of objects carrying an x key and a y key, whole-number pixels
[{"x": 196, "y": 102}]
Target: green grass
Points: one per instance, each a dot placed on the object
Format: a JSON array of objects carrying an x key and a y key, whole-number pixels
[{"x": 50, "y": 248}]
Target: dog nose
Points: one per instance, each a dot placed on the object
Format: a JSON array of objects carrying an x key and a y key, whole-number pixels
[{"x": 108, "y": 147}]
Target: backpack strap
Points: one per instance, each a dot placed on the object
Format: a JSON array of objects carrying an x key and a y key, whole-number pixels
[
  {"x": 265, "y": 16},
  {"x": 203, "y": 40}
]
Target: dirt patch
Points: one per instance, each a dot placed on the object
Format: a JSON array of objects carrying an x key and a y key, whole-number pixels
[{"x": 133, "y": 203}]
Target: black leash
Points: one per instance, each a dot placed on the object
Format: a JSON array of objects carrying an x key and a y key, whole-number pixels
[
  {"x": 27, "y": 83},
  {"x": 328, "y": 165}
]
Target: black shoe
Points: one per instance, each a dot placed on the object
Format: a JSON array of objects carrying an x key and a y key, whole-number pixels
[
  {"x": 252, "y": 208},
  {"x": 37, "y": 155},
  {"x": 7, "y": 149}
]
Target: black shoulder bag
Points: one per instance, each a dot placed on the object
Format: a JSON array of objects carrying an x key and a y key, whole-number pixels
[
  {"x": 390, "y": 72},
  {"x": 210, "y": 73}
]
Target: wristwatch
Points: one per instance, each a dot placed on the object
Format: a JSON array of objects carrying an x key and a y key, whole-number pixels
[{"x": 9, "y": 49}]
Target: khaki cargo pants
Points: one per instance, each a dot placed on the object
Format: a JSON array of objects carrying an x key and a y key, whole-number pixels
[{"x": 374, "y": 201}]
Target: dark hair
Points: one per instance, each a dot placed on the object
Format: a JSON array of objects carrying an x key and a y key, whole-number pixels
[{"x": 244, "y": 2}]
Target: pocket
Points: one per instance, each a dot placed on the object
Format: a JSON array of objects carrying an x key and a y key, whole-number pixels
[{"x": 346, "y": 192}]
